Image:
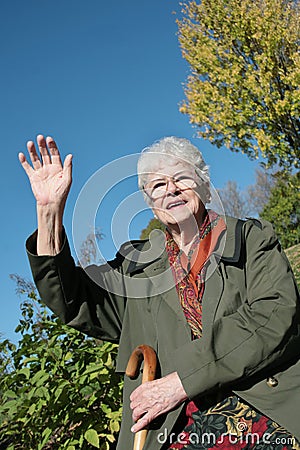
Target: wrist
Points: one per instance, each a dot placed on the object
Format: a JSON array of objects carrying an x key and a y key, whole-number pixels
[
  {"x": 50, "y": 227},
  {"x": 179, "y": 386},
  {"x": 49, "y": 210}
]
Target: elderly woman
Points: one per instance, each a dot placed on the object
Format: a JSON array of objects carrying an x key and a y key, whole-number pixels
[{"x": 213, "y": 295}]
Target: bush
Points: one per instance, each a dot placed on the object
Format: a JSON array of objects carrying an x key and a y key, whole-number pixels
[{"x": 60, "y": 390}]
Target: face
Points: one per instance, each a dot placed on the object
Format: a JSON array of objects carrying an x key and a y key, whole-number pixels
[{"x": 175, "y": 193}]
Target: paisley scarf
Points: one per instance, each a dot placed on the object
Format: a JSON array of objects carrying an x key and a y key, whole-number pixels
[{"x": 190, "y": 282}]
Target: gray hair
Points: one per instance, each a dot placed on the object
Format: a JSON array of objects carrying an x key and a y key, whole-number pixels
[{"x": 171, "y": 146}]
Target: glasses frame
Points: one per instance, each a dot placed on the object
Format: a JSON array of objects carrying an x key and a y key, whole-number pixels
[{"x": 165, "y": 190}]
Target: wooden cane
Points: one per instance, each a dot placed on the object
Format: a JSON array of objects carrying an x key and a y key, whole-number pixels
[{"x": 140, "y": 353}]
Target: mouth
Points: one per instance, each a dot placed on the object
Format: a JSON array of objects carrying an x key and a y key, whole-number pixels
[{"x": 176, "y": 204}]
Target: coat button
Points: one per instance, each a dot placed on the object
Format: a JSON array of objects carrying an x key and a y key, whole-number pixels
[{"x": 272, "y": 382}]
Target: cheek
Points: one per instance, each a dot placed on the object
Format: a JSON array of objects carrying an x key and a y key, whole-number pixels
[
  {"x": 158, "y": 213},
  {"x": 202, "y": 194},
  {"x": 157, "y": 209},
  {"x": 163, "y": 216},
  {"x": 198, "y": 201}
]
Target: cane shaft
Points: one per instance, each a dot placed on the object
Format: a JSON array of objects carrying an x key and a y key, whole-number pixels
[
  {"x": 140, "y": 353},
  {"x": 140, "y": 439}
]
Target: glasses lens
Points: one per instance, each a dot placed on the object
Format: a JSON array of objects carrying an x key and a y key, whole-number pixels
[
  {"x": 185, "y": 183},
  {"x": 158, "y": 188}
]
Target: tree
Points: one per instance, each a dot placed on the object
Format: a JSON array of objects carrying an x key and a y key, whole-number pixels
[
  {"x": 235, "y": 202},
  {"x": 154, "y": 224},
  {"x": 88, "y": 249},
  {"x": 283, "y": 209},
  {"x": 258, "y": 194},
  {"x": 243, "y": 90},
  {"x": 251, "y": 201}
]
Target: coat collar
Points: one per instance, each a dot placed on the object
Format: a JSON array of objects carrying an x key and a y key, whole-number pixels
[
  {"x": 151, "y": 261},
  {"x": 150, "y": 255},
  {"x": 231, "y": 240}
]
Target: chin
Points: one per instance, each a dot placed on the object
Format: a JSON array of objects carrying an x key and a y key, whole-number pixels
[{"x": 179, "y": 217}]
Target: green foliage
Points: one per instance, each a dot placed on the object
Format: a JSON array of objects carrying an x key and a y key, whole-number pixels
[
  {"x": 154, "y": 224},
  {"x": 61, "y": 390},
  {"x": 293, "y": 254},
  {"x": 283, "y": 210},
  {"x": 243, "y": 91}
]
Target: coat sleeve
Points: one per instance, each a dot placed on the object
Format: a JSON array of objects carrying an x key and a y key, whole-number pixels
[
  {"x": 77, "y": 298},
  {"x": 261, "y": 332}
]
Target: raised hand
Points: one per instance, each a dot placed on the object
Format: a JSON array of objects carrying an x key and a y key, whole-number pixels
[
  {"x": 50, "y": 183},
  {"x": 50, "y": 179}
]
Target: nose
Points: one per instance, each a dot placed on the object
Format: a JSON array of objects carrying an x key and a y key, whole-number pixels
[{"x": 172, "y": 186}]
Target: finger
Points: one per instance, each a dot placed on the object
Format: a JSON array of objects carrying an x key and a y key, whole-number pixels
[
  {"x": 43, "y": 149},
  {"x": 143, "y": 422},
  {"x": 26, "y": 166},
  {"x": 55, "y": 156},
  {"x": 67, "y": 168},
  {"x": 138, "y": 412},
  {"x": 33, "y": 155}
]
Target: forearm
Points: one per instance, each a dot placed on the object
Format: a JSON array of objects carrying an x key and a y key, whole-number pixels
[
  {"x": 49, "y": 238},
  {"x": 73, "y": 296}
]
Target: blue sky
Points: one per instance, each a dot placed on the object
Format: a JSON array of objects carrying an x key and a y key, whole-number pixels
[{"x": 105, "y": 79}]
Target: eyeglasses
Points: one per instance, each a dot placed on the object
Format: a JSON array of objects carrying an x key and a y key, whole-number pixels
[{"x": 157, "y": 188}]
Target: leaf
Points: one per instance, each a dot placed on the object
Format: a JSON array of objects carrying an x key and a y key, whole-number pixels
[
  {"x": 39, "y": 378},
  {"x": 114, "y": 426},
  {"x": 31, "y": 359},
  {"x": 25, "y": 371},
  {"x": 98, "y": 368},
  {"x": 68, "y": 356},
  {"x": 56, "y": 352},
  {"x": 45, "y": 434},
  {"x": 92, "y": 437},
  {"x": 105, "y": 408},
  {"x": 42, "y": 392},
  {"x": 9, "y": 394},
  {"x": 32, "y": 409},
  {"x": 81, "y": 410},
  {"x": 11, "y": 406},
  {"x": 110, "y": 437}
]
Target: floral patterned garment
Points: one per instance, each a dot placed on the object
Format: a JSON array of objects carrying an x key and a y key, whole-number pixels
[{"x": 226, "y": 423}]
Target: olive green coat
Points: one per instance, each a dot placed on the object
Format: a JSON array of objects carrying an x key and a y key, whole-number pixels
[{"x": 250, "y": 319}]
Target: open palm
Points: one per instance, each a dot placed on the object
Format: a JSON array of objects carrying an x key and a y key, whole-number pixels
[{"x": 50, "y": 179}]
